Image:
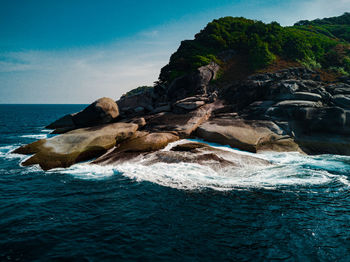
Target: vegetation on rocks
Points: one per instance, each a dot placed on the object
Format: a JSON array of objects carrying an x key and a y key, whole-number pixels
[
  {"x": 314, "y": 44},
  {"x": 138, "y": 90}
]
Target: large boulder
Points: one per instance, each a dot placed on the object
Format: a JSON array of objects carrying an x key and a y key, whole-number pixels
[
  {"x": 304, "y": 96},
  {"x": 76, "y": 146},
  {"x": 129, "y": 105},
  {"x": 339, "y": 89},
  {"x": 191, "y": 103},
  {"x": 145, "y": 142},
  {"x": 184, "y": 124},
  {"x": 248, "y": 135},
  {"x": 196, "y": 83},
  {"x": 321, "y": 120},
  {"x": 102, "y": 111},
  {"x": 140, "y": 143},
  {"x": 316, "y": 144},
  {"x": 342, "y": 101}
]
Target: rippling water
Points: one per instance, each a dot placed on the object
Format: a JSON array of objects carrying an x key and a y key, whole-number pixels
[{"x": 295, "y": 210}]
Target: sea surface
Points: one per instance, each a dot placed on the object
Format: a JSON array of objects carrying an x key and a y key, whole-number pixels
[{"x": 295, "y": 210}]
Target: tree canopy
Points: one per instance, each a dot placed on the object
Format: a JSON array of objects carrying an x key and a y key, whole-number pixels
[{"x": 323, "y": 43}]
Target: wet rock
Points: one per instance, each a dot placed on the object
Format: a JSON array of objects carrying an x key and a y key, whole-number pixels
[{"x": 198, "y": 153}]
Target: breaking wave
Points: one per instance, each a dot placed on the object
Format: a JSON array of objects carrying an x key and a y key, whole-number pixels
[
  {"x": 39, "y": 136},
  {"x": 287, "y": 169},
  {"x": 6, "y": 152}
]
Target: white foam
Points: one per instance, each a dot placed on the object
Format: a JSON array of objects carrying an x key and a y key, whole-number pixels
[
  {"x": 193, "y": 176},
  {"x": 188, "y": 176},
  {"x": 87, "y": 171},
  {"x": 288, "y": 169},
  {"x": 47, "y": 130},
  {"x": 6, "y": 152},
  {"x": 38, "y": 136}
]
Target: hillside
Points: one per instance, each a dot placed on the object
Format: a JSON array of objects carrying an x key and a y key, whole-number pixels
[
  {"x": 318, "y": 44},
  {"x": 336, "y": 27}
]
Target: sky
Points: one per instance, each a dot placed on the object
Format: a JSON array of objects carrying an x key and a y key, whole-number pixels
[{"x": 76, "y": 51}]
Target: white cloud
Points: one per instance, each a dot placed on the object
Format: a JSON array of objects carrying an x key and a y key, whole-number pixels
[{"x": 78, "y": 76}]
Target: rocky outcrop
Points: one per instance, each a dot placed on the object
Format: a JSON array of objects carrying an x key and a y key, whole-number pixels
[
  {"x": 191, "y": 103},
  {"x": 300, "y": 103},
  {"x": 196, "y": 83},
  {"x": 192, "y": 152},
  {"x": 249, "y": 135},
  {"x": 140, "y": 144},
  {"x": 145, "y": 142},
  {"x": 102, "y": 111},
  {"x": 76, "y": 146},
  {"x": 182, "y": 123},
  {"x": 137, "y": 104},
  {"x": 289, "y": 110}
]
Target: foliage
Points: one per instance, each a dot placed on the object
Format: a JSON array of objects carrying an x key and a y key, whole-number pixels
[
  {"x": 259, "y": 53},
  {"x": 338, "y": 27},
  {"x": 310, "y": 63},
  {"x": 311, "y": 43},
  {"x": 338, "y": 70},
  {"x": 138, "y": 90}
]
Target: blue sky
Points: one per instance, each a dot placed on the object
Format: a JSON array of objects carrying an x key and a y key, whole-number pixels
[{"x": 75, "y": 51}]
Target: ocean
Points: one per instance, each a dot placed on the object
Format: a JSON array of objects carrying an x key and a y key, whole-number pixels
[{"x": 295, "y": 210}]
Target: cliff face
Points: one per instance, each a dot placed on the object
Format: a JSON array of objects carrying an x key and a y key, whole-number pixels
[{"x": 241, "y": 83}]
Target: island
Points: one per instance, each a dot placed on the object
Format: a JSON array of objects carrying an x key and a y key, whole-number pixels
[{"x": 243, "y": 83}]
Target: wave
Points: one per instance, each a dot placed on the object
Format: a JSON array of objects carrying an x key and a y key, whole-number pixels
[
  {"x": 87, "y": 171},
  {"x": 6, "y": 152},
  {"x": 37, "y": 136},
  {"x": 47, "y": 130},
  {"x": 288, "y": 169}
]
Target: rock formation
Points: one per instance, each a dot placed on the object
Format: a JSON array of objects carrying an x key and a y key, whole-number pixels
[
  {"x": 76, "y": 146},
  {"x": 283, "y": 106},
  {"x": 102, "y": 111}
]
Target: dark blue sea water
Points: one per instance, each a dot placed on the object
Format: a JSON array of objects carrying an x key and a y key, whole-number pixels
[{"x": 296, "y": 210}]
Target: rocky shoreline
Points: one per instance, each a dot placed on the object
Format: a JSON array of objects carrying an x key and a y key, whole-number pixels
[{"x": 290, "y": 110}]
